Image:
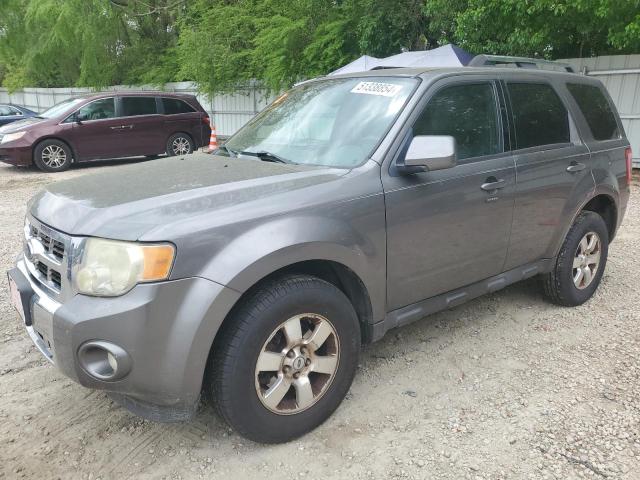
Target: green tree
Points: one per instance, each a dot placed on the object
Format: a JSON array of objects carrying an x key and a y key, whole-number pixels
[{"x": 545, "y": 28}]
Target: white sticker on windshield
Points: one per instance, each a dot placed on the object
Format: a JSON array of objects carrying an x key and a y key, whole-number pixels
[{"x": 377, "y": 88}]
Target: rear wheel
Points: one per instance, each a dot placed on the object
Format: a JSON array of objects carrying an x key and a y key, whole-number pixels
[
  {"x": 580, "y": 263},
  {"x": 179, "y": 144},
  {"x": 286, "y": 359},
  {"x": 52, "y": 156}
]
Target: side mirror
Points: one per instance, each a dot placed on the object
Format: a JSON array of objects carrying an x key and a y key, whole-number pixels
[{"x": 427, "y": 153}]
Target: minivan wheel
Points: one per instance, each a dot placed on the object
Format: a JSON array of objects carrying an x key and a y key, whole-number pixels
[
  {"x": 285, "y": 359},
  {"x": 580, "y": 264},
  {"x": 179, "y": 144},
  {"x": 52, "y": 156}
]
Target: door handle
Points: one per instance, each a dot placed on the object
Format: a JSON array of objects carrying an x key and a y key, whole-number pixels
[
  {"x": 493, "y": 184},
  {"x": 115, "y": 128},
  {"x": 130, "y": 127},
  {"x": 575, "y": 167}
]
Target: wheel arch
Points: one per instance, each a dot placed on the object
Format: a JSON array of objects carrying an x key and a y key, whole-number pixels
[
  {"x": 336, "y": 273},
  {"x": 605, "y": 206}
]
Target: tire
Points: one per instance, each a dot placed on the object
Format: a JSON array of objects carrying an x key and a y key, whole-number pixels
[
  {"x": 255, "y": 329},
  {"x": 564, "y": 285},
  {"x": 179, "y": 144},
  {"x": 52, "y": 156}
]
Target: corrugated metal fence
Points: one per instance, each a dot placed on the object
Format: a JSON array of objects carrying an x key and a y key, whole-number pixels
[
  {"x": 229, "y": 111},
  {"x": 620, "y": 74}
]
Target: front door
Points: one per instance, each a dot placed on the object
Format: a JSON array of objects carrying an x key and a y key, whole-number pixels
[
  {"x": 450, "y": 228},
  {"x": 96, "y": 130}
]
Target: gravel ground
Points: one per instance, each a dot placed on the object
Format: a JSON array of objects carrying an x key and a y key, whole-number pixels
[{"x": 506, "y": 386}]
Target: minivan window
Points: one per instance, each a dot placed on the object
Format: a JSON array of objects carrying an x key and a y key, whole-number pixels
[
  {"x": 134, "y": 106},
  {"x": 539, "y": 116},
  {"x": 596, "y": 110},
  {"x": 97, "y": 110},
  {"x": 173, "y": 106},
  {"x": 468, "y": 112},
  {"x": 334, "y": 122}
]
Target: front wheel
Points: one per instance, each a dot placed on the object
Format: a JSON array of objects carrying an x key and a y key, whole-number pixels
[
  {"x": 286, "y": 359},
  {"x": 580, "y": 264},
  {"x": 179, "y": 144},
  {"x": 52, "y": 156}
]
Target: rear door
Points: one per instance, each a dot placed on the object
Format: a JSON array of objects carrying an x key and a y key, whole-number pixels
[
  {"x": 142, "y": 126},
  {"x": 552, "y": 168},
  {"x": 448, "y": 228}
]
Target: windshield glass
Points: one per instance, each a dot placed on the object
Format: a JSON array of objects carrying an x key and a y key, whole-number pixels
[
  {"x": 334, "y": 122},
  {"x": 61, "y": 108}
]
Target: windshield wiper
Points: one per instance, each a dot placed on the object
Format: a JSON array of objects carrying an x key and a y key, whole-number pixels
[
  {"x": 268, "y": 157},
  {"x": 228, "y": 150}
]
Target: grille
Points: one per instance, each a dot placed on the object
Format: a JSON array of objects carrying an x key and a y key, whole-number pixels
[
  {"x": 55, "y": 247},
  {"x": 49, "y": 274},
  {"x": 46, "y": 256}
]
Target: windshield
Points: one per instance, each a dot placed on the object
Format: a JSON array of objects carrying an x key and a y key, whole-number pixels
[
  {"x": 334, "y": 122},
  {"x": 60, "y": 108}
]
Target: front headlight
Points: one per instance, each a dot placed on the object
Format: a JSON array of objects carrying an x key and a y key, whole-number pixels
[
  {"x": 109, "y": 268},
  {"x": 10, "y": 137}
]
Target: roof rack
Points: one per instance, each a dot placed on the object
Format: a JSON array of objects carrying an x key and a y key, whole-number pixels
[{"x": 520, "y": 62}]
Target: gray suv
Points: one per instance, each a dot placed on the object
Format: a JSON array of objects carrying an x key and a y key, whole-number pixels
[{"x": 350, "y": 206}]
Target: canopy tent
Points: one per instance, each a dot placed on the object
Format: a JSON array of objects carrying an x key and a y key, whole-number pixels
[{"x": 445, "y": 56}]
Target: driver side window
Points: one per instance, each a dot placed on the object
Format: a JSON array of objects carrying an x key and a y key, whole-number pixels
[
  {"x": 467, "y": 112},
  {"x": 98, "y": 110}
]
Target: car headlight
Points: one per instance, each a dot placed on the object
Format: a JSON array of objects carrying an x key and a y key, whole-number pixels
[
  {"x": 109, "y": 268},
  {"x": 10, "y": 137}
]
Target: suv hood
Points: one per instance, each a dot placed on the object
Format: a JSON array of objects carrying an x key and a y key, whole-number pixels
[{"x": 134, "y": 199}]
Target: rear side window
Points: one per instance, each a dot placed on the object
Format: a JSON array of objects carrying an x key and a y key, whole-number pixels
[
  {"x": 596, "y": 110},
  {"x": 173, "y": 105},
  {"x": 468, "y": 113},
  {"x": 134, "y": 106},
  {"x": 539, "y": 116}
]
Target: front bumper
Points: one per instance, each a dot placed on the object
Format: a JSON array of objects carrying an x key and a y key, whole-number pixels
[
  {"x": 166, "y": 329},
  {"x": 19, "y": 155}
]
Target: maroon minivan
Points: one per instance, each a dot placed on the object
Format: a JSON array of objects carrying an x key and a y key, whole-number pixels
[{"x": 106, "y": 125}]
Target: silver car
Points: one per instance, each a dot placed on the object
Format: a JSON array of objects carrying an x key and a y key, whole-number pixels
[{"x": 350, "y": 206}]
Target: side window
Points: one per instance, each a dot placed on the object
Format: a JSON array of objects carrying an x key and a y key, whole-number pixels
[
  {"x": 596, "y": 110},
  {"x": 5, "y": 111},
  {"x": 97, "y": 110},
  {"x": 135, "y": 106},
  {"x": 468, "y": 113},
  {"x": 173, "y": 106},
  {"x": 539, "y": 116}
]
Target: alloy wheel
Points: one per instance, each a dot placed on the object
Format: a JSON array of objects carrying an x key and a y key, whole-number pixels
[
  {"x": 54, "y": 156},
  {"x": 181, "y": 146},
  {"x": 586, "y": 260},
  {"x": 297, "y": 364}
]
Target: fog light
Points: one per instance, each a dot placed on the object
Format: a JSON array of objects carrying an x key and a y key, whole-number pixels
[{"x": 104, "y": 360}]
